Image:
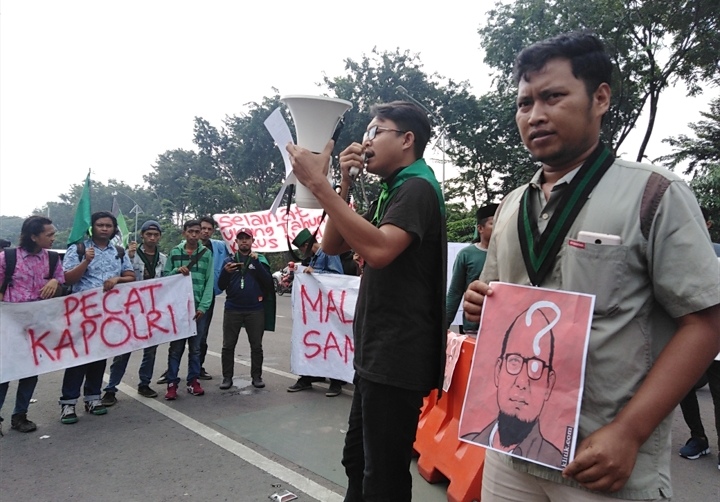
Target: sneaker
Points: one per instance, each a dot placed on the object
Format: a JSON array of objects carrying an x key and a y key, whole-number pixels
[
  {"x": 300, "y": 385},
  {"x": 96, "y": 407},
  {"x": 258, "y": 383},
  {"x": 171, "y": 394},
  {"x": 146, "y": 391},
  {"x": 226, "y": 383},
  {"x": 204, "y": 375},
  {"x": 20, "y": 423},
  {"x": 695, "y": 448},
  {"x": 163, "y": 379},
  {"x": 334, "y": 390},
  {"x": 109, "y": 399},
  {"x": 193, "y": 387},
  {"x": 68, "y": 416}
]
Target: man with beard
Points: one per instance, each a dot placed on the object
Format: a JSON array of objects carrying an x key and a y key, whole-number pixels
[
  {"x": 632, "y": 235},
  {"x": 524, "y": 381},
  {"x": 250, "y": 301}
]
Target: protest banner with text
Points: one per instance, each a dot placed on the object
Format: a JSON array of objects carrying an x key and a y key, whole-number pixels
[
  {"x": 40, "y": 337},
  {"x": 322, "y": 335},
  {"x": 270, "y": 229}
]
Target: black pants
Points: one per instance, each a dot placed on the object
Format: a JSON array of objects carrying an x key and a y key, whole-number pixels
[
  {"x": 691, "y": 409},
  {"x": 254, "y": 323},
  {"x": 378, "y": 446}
]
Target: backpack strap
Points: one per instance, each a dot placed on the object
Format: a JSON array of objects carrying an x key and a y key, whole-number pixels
[
  {"x": 120, "y": 252},
  {"x": 10, "y": 262},
  {"x": 655, "y": 188},
  {"x": 53, "y": 258},
  {"x": 80, "y": 248}
]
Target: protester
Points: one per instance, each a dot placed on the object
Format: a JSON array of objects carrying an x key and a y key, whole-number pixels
[
  {"x": 92, "y": 263},
  {"x": 219, "y": 252},
  {"x": 249, "y": 301},
  {"x": 468, "y": 264},
  {"x": 321, "y": 263},
  {"x": 399, "y": 323},
  {"x": 34, "y": 278},
  {"x": 189, "y": 258},
  {"x": 698, "y": 444},
  {"x": 148, "y": 263},
  {"x": 631, "y": 234}
]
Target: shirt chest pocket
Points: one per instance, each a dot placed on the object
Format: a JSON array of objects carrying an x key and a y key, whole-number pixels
[{"x": 597, "y": 270}]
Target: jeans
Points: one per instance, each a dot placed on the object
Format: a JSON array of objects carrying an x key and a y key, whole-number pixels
[
  {"x": 379, "y": 442},
  {"x": 254, "y": 323},
  {"x": 206, "y": 319},
  {"x": 175, "y": 353},
  {"x": 119, "y": 365},
  {"x": 691, "y": 409},
  {"x": 91, "y": 374},
  {"x": 25, "y": 389}
]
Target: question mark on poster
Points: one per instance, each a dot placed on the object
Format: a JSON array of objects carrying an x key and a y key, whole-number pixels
[{"x": 528, "y": 321}]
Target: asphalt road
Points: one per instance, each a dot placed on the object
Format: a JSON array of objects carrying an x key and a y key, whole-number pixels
[{"x": 243, "y": 444}]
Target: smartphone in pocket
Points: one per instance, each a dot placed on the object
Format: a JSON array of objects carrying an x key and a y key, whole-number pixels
[{"x": 599, "y": 239}]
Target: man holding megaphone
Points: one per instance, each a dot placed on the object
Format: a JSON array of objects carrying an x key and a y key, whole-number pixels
[{"x": 399, "y": 321}]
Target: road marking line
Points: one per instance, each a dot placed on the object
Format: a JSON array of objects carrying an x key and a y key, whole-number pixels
[
  {"x": 241, "y": 451},
  {"x": 281, "y": 373}
]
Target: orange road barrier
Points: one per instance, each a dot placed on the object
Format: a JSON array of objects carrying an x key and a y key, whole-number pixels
[{"x": 442, "y": 454}]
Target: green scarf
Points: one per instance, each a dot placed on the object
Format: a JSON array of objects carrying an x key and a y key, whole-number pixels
[{"x": 418, "y": 169}]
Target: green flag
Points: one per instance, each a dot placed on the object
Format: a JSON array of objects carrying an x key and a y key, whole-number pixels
[
  {"x": 81, "y": 223},
  {"x": 122, "y": 226}
]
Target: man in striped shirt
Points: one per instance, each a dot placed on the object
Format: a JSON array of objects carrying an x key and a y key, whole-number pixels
[{"x": 189, "y": 258}]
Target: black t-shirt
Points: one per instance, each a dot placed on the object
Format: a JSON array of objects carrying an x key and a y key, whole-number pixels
[{"x": 398, "y": 317}]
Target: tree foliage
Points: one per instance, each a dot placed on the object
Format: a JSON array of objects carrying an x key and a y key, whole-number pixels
[
  {"x": 699, "y": 152},
  {"x": 653, "y": 45}
]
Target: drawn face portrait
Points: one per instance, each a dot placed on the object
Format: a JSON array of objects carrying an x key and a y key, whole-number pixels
[{"x": 523, "y": 378}]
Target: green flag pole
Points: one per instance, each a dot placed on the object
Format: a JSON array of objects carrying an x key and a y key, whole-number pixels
[{"x": 81, "y": 223}]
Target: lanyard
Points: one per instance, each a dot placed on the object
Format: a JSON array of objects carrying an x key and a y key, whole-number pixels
[{"x": 539, "y": 254}]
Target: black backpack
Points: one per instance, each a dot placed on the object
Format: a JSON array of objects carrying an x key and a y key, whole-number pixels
[{"x": 11, "y": 262}]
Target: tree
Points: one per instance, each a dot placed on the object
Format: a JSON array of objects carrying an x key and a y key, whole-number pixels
[
  {"x": 702, "y": 155},
  {"x": 700, "y": 152},
  {"x": 653, "y": 45},
  {"x": 375, "y": 79},
  {"x": 707, "y": 191},
  {"x": 170, "y": 181}
]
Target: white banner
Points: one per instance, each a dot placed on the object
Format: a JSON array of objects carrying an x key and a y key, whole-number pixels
[
  {"x": 270, "y": 229},
  {"x": 322, "y": 334},
  {"x": 40, "y": 337}
]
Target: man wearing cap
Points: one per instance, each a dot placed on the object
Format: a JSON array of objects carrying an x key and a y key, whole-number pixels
[
  {"x": 148, "y": 263},
  {"x": 249, "y": 302},
  {"x": 321, "y": 263},
  {"x": 468, "y": 265}
]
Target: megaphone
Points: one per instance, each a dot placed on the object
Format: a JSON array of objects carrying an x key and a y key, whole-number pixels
[{"x": 315, "y": 118}]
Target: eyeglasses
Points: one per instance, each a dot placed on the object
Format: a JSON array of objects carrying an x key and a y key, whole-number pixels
[
  {"x": 374, "y": 130},
  {"x": 535, "y": 366}
]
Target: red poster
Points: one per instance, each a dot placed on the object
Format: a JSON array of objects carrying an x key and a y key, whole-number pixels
[{"x": 526, "y": 381}]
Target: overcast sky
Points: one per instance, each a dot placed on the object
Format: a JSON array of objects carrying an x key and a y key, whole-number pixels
[{"x": 109, "y": 86}]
